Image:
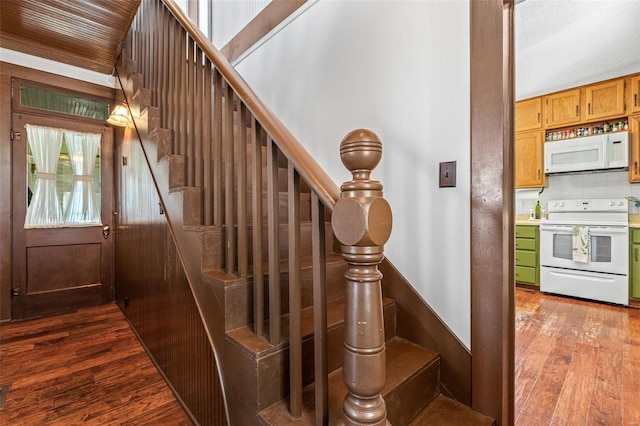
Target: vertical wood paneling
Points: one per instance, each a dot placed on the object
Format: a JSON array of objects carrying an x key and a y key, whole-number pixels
[
  {"x": 150, "y": 275},
  {"x": 295, "y": 294}
]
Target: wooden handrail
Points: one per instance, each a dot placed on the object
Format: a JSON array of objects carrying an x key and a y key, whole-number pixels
[{"x": 317, "y": 179}]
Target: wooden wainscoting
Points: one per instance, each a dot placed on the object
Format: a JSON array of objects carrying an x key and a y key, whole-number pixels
[{"x": 83, "y": 367}]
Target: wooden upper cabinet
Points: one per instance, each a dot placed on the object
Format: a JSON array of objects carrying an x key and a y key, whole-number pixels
[
  {"x": 529, "y": 114},
  {"x": 562, "y": 108},
  {"x": 634, "y": 94},
  {"x": 529, "y": 152},
  {"x": 634, "y": 148},
  {"x": 604, "y": 100}
]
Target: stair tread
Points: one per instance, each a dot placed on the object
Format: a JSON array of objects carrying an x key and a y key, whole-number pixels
[
  {"x": 403, "y": 359},
  {"x": 446, "y": 411},
  {"x": 260, "y": 344},
  {"x": 305, "y": 262}
]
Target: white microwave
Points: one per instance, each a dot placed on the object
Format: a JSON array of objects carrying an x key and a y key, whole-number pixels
[{"x": 598, "y": 152}]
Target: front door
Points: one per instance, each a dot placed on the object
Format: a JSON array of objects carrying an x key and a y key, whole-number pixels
[{"x": 66, "y": 263}]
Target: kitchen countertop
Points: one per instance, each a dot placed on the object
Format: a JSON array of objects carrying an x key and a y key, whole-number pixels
[
  {"x": 535, "y": 222},
  {"x": 523, "y": 219}
]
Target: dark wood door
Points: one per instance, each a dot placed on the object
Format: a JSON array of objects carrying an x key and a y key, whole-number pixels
[{"x": 59, "y": 269}]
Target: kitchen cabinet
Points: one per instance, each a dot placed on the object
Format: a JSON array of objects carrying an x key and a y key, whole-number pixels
[
  {"x": 634, "y": 148},
  {"x": 634, "y": 94},
  {"x": 562, "y": 108},
  {"x": 527, "y": 259},
  {"x": 529, "y": 152},
  {"x": 604, "y": 100},
  {"x": 634, "y": 273},
  {"x": 529, "y": 114}
]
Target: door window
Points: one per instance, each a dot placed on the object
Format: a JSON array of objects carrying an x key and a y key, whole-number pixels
[{"x": 63, "y": 178}]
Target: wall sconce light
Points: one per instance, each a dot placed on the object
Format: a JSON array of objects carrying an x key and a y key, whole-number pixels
[{"x": 120, "y": 116}]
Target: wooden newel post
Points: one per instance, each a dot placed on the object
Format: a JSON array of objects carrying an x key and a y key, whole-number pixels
[{"x": 361, "y": 221}]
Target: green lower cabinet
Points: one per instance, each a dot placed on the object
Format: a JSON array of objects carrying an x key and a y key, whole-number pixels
[
  {"x": 634, "y": 276},
  {"x": 527, "y": 256}
]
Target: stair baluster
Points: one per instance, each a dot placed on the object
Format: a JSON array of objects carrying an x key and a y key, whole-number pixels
[{"x": 361, "y": 221}]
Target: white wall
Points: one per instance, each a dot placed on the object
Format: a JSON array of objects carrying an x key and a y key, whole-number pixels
[
  {"x": 230, "y": 16},
  {"x": 401, "y": 69}
]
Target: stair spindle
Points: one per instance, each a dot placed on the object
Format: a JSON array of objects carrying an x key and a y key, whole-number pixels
[
  {"x": 228, "y": 181},
  {"x": 257, "y": 137},
  {"x": 362, "y": 222},
  {"x": 320, "y": 335},
  {"x": 243, "y": 239},
  {"x": 273, "y": 241},
  {"x": 295, "y": 295}
]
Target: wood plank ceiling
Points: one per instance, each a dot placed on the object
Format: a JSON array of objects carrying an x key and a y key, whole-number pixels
[{"x": 84, "y": 33}]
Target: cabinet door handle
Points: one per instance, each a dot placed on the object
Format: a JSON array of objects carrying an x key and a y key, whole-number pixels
[
  {"x": 577, "y": 110},
  {"x": 539, "y": 116},
  {"x": 538, "y": 173},
  {"x": 635, "y": 254},
  {"x": 635, "y": 99},
  {"x": 589, "y": 108},
  {"x": 635, "y": 167}
]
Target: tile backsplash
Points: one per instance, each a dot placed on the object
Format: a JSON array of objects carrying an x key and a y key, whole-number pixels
[{"x": 578, "y": 186}]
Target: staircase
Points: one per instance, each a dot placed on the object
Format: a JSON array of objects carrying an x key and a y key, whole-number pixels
[{"x": 250, "y": 212}]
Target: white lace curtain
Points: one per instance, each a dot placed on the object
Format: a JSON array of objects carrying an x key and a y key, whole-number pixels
[
  {"x": 45, "y": 210},
  {"x": 83, "y": 207}
]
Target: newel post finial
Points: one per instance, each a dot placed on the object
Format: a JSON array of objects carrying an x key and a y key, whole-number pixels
[{"x": 361, "y": 221}]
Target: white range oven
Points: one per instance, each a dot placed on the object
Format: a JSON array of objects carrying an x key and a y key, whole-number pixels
[{"x": 584, "y": 249}]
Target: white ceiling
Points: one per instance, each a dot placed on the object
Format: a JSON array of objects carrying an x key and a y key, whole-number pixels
[{"x": 561, "y": 44}]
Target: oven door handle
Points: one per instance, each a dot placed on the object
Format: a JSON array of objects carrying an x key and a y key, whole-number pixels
[
  {"x": 606, "y": 230},
  {"x": 556, "y": 228},
  {"x": 593, "y": 230}
]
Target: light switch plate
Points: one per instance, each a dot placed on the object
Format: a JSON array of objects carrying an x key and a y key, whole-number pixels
[{"x": 448, "y": 174}]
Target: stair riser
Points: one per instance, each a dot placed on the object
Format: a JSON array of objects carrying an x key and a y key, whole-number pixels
[
  {"x": 273, "y": 370},
  {"x": 413, "y": 395},
  {"x": 283, "y": 207},
  {"x": 214, "y": 240},
  {"x": 239, "y": 297}
]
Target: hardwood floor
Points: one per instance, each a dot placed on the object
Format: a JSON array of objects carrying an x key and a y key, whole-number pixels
[
  {"x": 577, "y": 362},
  {"x": 84, "y": 367}
]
